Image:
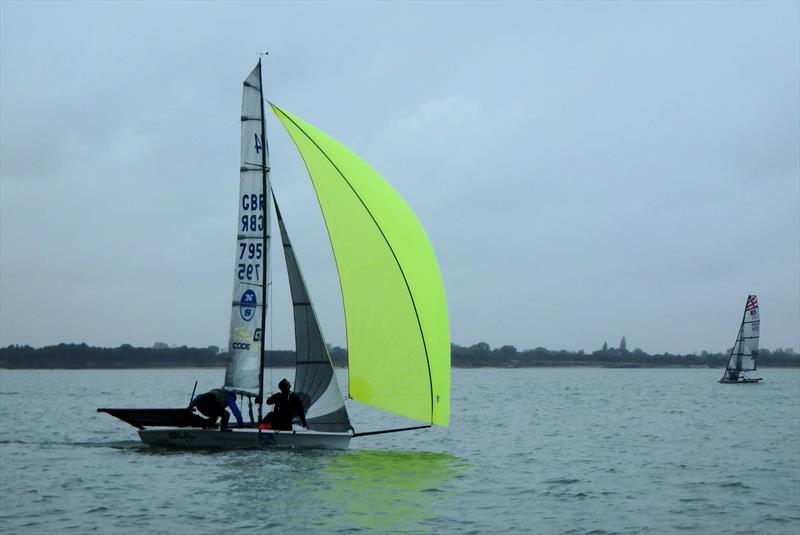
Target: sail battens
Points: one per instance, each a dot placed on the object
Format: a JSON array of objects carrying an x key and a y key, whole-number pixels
[
  {"x": 392, "y": 292},
  {"x": 239, "y": 304},
  {"x": 257, "y": 166},
  {"x": 251, "y": 267}
]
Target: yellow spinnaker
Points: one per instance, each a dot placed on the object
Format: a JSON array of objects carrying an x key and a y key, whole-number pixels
[{"x": 398, "y": 335}]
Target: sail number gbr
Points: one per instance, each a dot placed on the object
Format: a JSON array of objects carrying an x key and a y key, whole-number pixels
[{"x": 253, "y": 222}]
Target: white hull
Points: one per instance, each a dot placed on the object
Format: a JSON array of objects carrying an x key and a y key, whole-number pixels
[{"x": 243, "y": 439}]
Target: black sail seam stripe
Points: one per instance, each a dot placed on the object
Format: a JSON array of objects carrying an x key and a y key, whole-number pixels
[
  {"x": 405, "y": 280},
  {"x": 335, "y": 259},
  {"x": 255, "y": 164},
  {"x": 245, "y": 283}
]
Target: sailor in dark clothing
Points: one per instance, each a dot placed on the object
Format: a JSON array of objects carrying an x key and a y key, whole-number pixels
[
  {"x": 732, "y": 375},
  {"x": 287, "y": 406},
  {"x": 213, "y": 404}
]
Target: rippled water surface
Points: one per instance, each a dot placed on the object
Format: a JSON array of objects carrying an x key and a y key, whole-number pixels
[{"x": 529, "y": 450}]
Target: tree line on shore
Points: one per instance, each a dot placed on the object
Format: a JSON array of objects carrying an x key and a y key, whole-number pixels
[
  {"x": 481, "y": 354},
  {"x": 82, "y": 356}
]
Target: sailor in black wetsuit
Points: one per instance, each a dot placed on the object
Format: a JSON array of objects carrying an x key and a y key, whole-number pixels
[
  {"x": 287, "y": 406},
  {"x": 213, "y": 405}
]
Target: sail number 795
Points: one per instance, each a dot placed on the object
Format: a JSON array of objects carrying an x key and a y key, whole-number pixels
[
  {"x": 253, "y": 250},
  {"x": 247, "y": 270}
]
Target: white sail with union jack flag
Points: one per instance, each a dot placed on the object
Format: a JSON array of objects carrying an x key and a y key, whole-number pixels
[{"x": 744, "y": 354}]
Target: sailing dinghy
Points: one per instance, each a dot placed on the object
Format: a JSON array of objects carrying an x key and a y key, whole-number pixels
[
  {"x": 394, "y": 303},
  {"x": 745, "y": 351}
]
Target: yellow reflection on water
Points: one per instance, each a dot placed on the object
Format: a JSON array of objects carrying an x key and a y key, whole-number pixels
[{"x": 388, "y": 491}]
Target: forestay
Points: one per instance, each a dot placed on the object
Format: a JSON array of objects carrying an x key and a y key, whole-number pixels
[
  {"x": 397, "y": 328},
  {"x": 315, "y": 381},
  {"x": 251, "y": 268}
]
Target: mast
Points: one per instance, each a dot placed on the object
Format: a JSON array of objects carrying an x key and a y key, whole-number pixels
[
  {"x": 740, "y": 344},
  {"x": 264, "y": 244}
]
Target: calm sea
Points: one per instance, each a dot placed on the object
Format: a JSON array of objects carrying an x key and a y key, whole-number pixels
[{"x": 560, "y": 450}]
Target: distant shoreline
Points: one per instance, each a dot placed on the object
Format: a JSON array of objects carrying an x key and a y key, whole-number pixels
[{"x": 481, "y": 355}]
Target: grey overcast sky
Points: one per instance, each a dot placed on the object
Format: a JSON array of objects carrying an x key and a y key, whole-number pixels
[{"x": 585, "y": 170}]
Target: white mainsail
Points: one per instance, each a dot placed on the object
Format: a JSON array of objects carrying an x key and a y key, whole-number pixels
[
  {"x": 745, "y": 351},
  {"x": 251, "y": 269}
]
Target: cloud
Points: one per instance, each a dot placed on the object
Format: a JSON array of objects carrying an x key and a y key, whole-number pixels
[{"x": 583, "y": 171}]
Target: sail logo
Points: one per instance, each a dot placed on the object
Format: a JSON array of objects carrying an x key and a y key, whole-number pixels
[
  {"x": 242, "y": 334},
  {"x": 247, "y": 305}
]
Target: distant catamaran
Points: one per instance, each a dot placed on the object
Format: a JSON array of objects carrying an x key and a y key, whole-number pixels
[
  {"x": 745, "y": 351},
  {"x": 395, "y": 310}
]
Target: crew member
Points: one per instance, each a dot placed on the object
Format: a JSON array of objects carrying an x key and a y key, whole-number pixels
[
  {"x": 287, "y": 406},
  {"x": 214, "y": 403}
]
